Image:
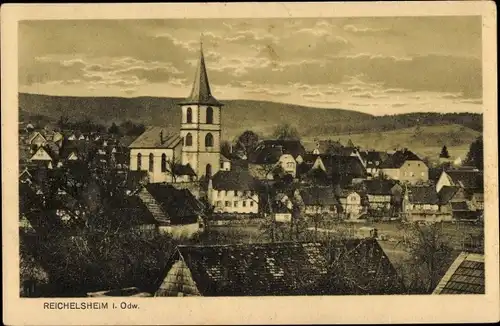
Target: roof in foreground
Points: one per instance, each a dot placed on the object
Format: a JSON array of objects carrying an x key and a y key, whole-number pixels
[
  {"x": 465, "y": 276},
  {"x": 156, "y": 137},
  {"x": 352, "y": 266}
]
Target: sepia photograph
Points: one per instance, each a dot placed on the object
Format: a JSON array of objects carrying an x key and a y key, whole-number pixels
[{"x": 288, "y": 156}]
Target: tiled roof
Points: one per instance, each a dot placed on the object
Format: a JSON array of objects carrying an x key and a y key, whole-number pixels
[
  {"x": 423, "y": 195},
  {"x": 471, "y": 179},
  {"x": 269, "y": 151},
  {"x": 465, "y": 276},
  {"x": 378, "y": 187},
  {"x": 296, "y": 268},
  {"x": 446, "y": 194},
  {"x": 179, "y": 204},
  {"x": 343, "y": 165},
  {"x": 323, "y": 196},
  {"x": 239, "y": 179},
  {"x": 180, "y": 169},
  {"x": 152, "y": 138},
  {"x": 397, "y": 159}
]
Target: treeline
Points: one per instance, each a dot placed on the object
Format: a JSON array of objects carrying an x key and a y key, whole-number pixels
[{"x": 473, "y": 121}]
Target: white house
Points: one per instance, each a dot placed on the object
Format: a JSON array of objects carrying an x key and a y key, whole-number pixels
[{"x": 233, "y": 192}]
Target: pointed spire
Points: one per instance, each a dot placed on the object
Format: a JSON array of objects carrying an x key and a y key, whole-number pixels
[{"x": 201, "y": 93}]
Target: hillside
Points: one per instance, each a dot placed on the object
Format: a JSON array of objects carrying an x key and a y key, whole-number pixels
[
  {"x": 239, "y": 115},
  {"x": 426, "y": 141}
]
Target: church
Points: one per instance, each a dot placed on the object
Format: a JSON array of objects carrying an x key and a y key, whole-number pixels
[{"x": 193, "y": 154}]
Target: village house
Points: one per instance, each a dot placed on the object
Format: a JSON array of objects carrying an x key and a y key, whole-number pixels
[
  {"x": 466, "y": 178},
  {"x": 233, "y": 191},
  {"x": 372, "y": 161},
  {"x": 177, "y": 212},
  {"x": 332, "y": 169},
  {"x": 406, "y": 166},
  {"x": 264, "y": 269},
  {"x": 422, "y": 203},
  {"x": 36, "y": 139},
  {"x": 320, "y": 200},
  {"x": 379, "y": 193},
  {"x": 351, "y": 202}
]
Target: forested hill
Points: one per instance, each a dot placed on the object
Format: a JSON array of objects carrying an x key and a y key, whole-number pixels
[{"x": 238, "y": 115}]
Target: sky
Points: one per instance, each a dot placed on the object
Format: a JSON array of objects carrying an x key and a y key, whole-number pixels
[{"x": 385, "y": 65}]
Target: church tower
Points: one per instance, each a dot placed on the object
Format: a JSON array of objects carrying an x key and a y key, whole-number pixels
[{"x": 201, "y": 125}]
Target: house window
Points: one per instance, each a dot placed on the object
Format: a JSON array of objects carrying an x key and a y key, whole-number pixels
[
  {"x": 151, "y": 162},
  {"x": 251, "y": 203},
  {"x": 412, "y": 174},
  {"x": 422, "y": 174},
  {"x": 290, "y": 165},
  {"x": 210, "y": 115},
  {"x": 188, "y": 140},
  {"x": 227, "y": 204},
  {"x": 418, "y": 164},
  {"x": 208, "y": 171},
  {"x": 235, "y": 204},
  {"x": 218, "y": 203},
  {"x": 189, "y": 115},
  {"x": 139, "y": 162},
  {"x": 244, "y": 203},
  {"x": 209, "y": 140},
  {"x": 163, "y": 162}
]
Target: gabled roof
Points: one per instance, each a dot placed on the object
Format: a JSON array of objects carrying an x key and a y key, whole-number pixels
[
  {"x": 156, "y": 137},
  {"x": 239, "y": 179},
  {"x": 468, "y": 179},
  {"x": 179, "y": 204},
  {"x": 323, "y": 196},
  {"x": 465, "y": 276},
  {"x": 378, "y": 187},
  {"x": 269, "y": 151},
  {"x": 201, "y": 93},
  {"x": 459, "y": 206},
  {"x": 396, "y": 160},
  {"x": 446, "y": 194},
  {"x": 287, "y": 268},
  {"x": 343, "y": 165},
  {"x": 423, "y": 195}
]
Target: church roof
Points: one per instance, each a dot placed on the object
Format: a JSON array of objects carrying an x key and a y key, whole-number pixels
[
  {"x": 200, "y": 93},
  {"x": 155, "y": 137}
]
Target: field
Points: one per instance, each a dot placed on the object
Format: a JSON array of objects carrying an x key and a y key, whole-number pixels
[{"x": 426, "y": 141}]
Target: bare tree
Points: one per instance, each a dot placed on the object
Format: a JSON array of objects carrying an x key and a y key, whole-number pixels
[{"x": 430, "y": 253}]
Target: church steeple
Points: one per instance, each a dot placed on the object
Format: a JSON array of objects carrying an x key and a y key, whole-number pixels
[{"x": 200, "y": 93}]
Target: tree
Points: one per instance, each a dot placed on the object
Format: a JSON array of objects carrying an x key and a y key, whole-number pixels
[
  {"x": 247, "y": 142},
  {"x": 430, "y": 255},
  {"x": 475, "y": 155},
  {"x": 444, "y": 152},
  {"x": 285, "y": 131},
  {"x": 114, "y": 129},
  {"x": 225, "y": 149}
]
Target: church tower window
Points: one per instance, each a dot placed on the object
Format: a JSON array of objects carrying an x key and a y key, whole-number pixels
[
  {"x": 210, "y": 115},
  {"x": 209, "y": 140},
  {"x": 163, "y": 162},
  {"x": 151, "y": 162},
  {"x": 189, "y": 140},
  {"x": 189, "y": 115},
  {"x": 139, "y": 162}
]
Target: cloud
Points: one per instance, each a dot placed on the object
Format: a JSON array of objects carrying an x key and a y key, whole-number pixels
[
  {"x": 393, "y": 90},
  {"x": 368, "y": 95},
  {"x": 398, "y": 105},
  {"x": 364, "y": 30},
  {"x": 324, "y": 101},
  {"x": 472, "y": 101},
  {"x": 312, "y": 95},
  {"x": 265, "y": 91},
  {"x": 452, "y": 96}
]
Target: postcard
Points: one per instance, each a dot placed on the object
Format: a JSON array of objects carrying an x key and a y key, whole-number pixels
[{"x": 244, "y": 163}]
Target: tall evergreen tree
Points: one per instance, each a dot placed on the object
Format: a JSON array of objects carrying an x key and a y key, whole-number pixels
[{"x": 444, "y": 152}]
